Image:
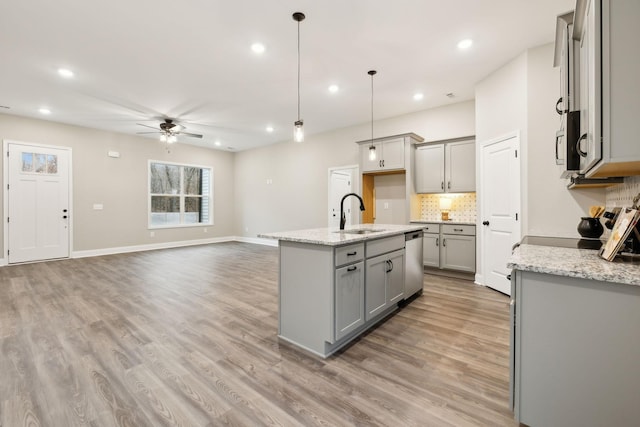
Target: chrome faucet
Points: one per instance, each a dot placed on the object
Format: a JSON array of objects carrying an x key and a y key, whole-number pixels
[{"x": 343, "y": 218}]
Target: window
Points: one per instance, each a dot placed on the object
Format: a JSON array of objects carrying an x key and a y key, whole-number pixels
[{"x": 179, "y": 195}]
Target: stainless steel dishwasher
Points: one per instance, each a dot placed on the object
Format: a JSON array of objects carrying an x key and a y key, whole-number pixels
[{"x": 413, "y": 268}]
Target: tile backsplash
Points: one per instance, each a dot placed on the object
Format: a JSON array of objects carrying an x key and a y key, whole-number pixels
[
  {"x": 622, "y": 194},
  {"x": 463, "y": 207}
]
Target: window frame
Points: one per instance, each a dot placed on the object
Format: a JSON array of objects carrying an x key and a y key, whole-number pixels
[{"x": 181, "y": 195}]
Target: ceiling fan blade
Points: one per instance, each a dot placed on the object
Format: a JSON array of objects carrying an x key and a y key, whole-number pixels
[
  {"x": 147, "y": 126},
  {"x": 193, "y": 135},
  {"x": 141, "y": 133}
]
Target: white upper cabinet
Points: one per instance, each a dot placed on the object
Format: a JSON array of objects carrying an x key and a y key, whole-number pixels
[
  {"x": 429, "y": 170},
  {"x": 446, "y": 168},
  {"x": 460, "y": 167},
  {"x": 389, "y": 155}
]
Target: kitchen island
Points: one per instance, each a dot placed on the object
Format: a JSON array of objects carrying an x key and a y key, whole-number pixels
[
  {"x": 575, "y": 343},
  {"x": 334, "y": 285}
]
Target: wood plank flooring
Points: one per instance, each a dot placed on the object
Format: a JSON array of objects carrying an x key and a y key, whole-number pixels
[{"x": 187, "y": 337}]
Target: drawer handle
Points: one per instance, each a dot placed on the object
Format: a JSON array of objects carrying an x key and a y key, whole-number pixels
[
  {"x": 458, "y": 229},
  {"x": 352, "y": 268},
  {"x": 352, "y": 253},
  {"x": 415, "y": 236}
]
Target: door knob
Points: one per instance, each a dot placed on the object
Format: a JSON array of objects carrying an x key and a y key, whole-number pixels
[{"x": 485, "y": 222}]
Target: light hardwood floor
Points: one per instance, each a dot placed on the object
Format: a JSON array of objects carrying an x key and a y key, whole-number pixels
[{"x": 187, "y": 337}]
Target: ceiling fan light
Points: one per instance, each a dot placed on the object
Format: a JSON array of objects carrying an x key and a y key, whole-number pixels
[
  {"x": 163, "y": 138},
  {"x": 171, "y": 139},
  {"x": 298, "y": 131}
]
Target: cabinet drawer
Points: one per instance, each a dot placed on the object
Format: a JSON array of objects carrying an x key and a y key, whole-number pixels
[
  {"x": 382, "y": 246},
  {"x": 467, "y": 230},
  {"x": 432, "y": 228},
  {"x": 349, "y": 254}
]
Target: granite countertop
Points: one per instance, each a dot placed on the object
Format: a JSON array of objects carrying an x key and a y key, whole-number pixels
[
  {"x": 333, "y": 236},
  {"x": 579, "y": 263},
  {"x": 424, "y": 221}
]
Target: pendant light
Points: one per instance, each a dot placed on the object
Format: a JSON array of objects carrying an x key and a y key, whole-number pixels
[
  {"x": 298, "y": 130},
  {"x": 372, "y": 148}
]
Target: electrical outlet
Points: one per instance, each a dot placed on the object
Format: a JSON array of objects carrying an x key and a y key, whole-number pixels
[{"x": 386, "y": 205}]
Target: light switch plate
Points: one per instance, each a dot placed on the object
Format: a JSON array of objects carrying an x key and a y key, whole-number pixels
[{"x": 97, "y": 206}]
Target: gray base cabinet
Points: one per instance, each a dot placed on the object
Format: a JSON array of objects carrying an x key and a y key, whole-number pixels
[
  {"x": 575, "y": 358},
  {"x": 349, "y": 302},
  {"x": 385, "y": 282},
  {"x": 450, "y": 247}
]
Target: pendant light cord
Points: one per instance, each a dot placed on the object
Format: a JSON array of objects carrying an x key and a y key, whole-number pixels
[
  {"x": 372, "y": 107},
  {"x": 298, "y": 70}
]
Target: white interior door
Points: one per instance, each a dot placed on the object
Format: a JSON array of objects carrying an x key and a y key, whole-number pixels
[
  {"x": 500, "y": 208},
  {"x": 38, "y": 203},
  {"x": 339, "y": 185}
]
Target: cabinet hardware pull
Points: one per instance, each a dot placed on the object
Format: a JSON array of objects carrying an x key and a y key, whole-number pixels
[
  {"x": 352, "y": 268},
  {"x": 415, "y": 236},
  {"x": 580, "y": 152},
  {"x": 508, "y": 277},
  {"x": 559, "y": 111},
  {"x": 449, "y": 185},
  {"x": 442, "y": 185},
  {"x": 389, "y": 266},
  {"x": 485, "y": 222},
  {"x": 437, "y": 241},
  {"x": 444, "y": 242},
  {"x": 352, "y": 253},
  {"x": 458, "y": 229}
]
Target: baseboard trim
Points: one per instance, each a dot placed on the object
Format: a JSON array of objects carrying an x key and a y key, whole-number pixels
[
  {"x": 151, "y": 247},
  {"x": 257, "y": 241}
]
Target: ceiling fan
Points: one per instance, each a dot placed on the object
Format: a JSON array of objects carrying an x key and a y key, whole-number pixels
[{"x": 169, "y": 131}]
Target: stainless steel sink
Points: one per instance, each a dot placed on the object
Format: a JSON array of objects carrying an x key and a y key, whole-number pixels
[{"x": 358, "y": 231}]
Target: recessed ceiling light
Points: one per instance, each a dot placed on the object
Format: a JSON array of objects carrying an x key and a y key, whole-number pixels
[
  {"x": 44, "y": 111},
  {"x": 418, "y": 96},
  {"x": 258, "y": 48},
  {"x": 465, "y": 44},
  {"x": 269, "y": 129},
  {"x": 66, "y": 73},
  {"x": 217, "y": 143},
  {"x": 334, "y": 88},
  {"x": 450, "y": 95}
]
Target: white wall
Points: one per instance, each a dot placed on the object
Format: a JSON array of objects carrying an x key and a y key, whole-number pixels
[
  {"x": 520, "y": 96},
  {"x": 552, "y": 209},
  {"x": 297, "y": 197},
  {"x": 121, "y": 184}
]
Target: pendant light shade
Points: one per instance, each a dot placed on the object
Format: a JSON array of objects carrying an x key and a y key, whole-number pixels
[
  {"x": 372, "y": 148},
  {"x": 298, "y": 126}
]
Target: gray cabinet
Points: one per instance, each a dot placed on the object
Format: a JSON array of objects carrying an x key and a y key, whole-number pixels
[
  {"x": 608, "y": 32},
  {"x": 384, "y": 282},
  {"x": 446, "y": 168},
  {"x": 574, "y": 351},
  {"x": 450, "y": 247},
  {"x": 349, "y": 303}
]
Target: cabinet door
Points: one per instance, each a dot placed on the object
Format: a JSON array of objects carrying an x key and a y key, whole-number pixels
[
  {"x": 429, "y": 169},
  {"x": 395, "y": 277},
  {"x": 349, "y": 295},
  {"x": 458, "y": 252},
  {"x": 375, "y": 284},
  {"x": 431, "y": 250},
  {"x": 460, "y": 167},
  {"x": 371, "y": 165},
  {"x": 393, "y": 154}
]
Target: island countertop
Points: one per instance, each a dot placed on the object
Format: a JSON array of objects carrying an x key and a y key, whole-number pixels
[
  {"x": 334, "y": 236},
  {"x": 573, "y": 262}
]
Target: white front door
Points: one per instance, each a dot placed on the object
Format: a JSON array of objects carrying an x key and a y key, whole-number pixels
[
  {"x": 500, "y": 190},
  {"x": 339, "y": 185},
  {"x": 38, "y": 202}
]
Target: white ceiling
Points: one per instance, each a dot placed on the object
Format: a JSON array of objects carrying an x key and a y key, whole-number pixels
[{"x": 139, "y": 61}]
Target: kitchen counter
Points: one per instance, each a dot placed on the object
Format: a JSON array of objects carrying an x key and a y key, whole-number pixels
[
  {"x": 334, "y": 237},
  {"x": 578, "y": 263}
]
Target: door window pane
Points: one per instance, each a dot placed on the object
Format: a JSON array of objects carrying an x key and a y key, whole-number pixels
[
  {"x": 52, "y": 163},
  {"x": 41, "y": 163},
  {"x": 27, "y": 162}
]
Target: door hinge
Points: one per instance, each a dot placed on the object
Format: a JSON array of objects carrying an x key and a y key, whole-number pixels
[
  {"x": 516, "y": 154},
  {"x": 7, "y": 219}
]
